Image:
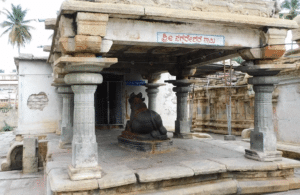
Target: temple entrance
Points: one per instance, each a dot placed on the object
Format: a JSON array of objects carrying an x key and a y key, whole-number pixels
[{"x": 108, "y": 103}]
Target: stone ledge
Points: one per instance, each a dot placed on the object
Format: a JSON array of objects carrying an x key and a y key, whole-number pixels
[
  {"x": 205, "y": 167},
  {"x": 262, "y": 186},
  {"x": 163, "y": 173},
  {"x": 215, "y": 187},
  {"x": 243, "y": 164}
]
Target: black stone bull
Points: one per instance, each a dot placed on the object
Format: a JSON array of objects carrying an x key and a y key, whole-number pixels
[{"x": 143, "y": 120}]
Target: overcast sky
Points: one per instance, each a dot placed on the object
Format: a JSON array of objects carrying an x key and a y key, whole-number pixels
[{"x": 37, "y": 9}]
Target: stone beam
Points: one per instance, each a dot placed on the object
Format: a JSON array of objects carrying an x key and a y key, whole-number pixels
[
  {"x": 50, "y": 24},
  {"x": 120, "y": 31},
  {"x": 199, "y": 59}
]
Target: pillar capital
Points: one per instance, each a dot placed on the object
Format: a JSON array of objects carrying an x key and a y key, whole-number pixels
[
  {"x": 83, "y": 78},
  {"x": 66, "y": 89}
]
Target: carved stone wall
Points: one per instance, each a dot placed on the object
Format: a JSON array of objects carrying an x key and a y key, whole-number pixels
[
  {"x": 209, "y": 109},
  {"x": 264, "y": 8}
]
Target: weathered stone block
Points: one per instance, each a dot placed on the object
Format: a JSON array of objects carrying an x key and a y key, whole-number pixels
[
  {"x": 67, "y": 26},
  {"x": 91, "y": 23},
  {"x": 87, "y": 43},
  {"x": 67, "y": 45},
  {"x": 30, "y": 155},
  {"x": 265, "y": 186}
]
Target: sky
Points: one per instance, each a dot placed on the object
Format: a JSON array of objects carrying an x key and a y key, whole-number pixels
[{"x": 37, "y": 9}]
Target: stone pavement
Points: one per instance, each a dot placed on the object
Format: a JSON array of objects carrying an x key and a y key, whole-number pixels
[
  {"x": 203, "y": 158},
  {"x": 5, "y": 139},
  {"x": 17, "y": 183}
]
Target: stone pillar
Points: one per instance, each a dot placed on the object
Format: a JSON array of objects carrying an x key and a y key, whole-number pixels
[
  {"x": 30, "y": 155},
  {"x": 152, "y": 90},
  {"x": 84, "y": 146},
  {"x": 263, "y": 138},
  {"x": 67, "y": 116},
  {"x": 182, "y": 123}
]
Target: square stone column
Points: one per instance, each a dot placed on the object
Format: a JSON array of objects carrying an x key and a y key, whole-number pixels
[
  {"x": 67, "y": 116},
  {"x": 263, "y": 139},
  {"x": 84, "y": 146},
  {"x": 182, "y": 123}
]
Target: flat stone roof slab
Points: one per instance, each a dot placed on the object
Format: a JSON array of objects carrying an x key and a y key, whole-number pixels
[
  {"x": 202, "y": 167},
  {"x": 163, "y": 173}
]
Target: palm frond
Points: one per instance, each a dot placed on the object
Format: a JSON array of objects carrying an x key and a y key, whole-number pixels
[{"x": 19, "y": 31}]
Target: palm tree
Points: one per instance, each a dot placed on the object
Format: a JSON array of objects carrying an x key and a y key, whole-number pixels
[
  {"x": 16, "y": 26},
  {"x": 293, "y": 6}
]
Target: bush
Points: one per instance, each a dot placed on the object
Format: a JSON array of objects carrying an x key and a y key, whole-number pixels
[{"x": 7, "y": 127}]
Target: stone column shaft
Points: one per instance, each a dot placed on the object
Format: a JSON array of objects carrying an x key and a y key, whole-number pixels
[
  {"x": 152, "y": 91},
  {"x": 263, "y": 139},
  {"x": 152, "y": 94},
  {"x": 85, "y": 151},
  {"x": 67, "y": 117},
  {"x": 84, "y": 146},
  {"x": 182, "y": 123}
]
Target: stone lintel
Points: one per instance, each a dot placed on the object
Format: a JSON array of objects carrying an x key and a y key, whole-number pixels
[
  {"x": 81, "y": 61},
  {"x": 50, "y": 23}
]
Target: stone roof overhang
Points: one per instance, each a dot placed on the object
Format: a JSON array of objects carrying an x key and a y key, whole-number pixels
[{"x": 167, "y": 15}]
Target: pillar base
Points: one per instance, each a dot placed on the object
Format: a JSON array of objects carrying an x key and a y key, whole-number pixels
[
  {"x": 84, "y": 173},
  {"x": 64, "y": 145},
  {"x": 229, "y": 138},
  {"x": 183, "y": 135},
  {"x": 269, "y": 156}
]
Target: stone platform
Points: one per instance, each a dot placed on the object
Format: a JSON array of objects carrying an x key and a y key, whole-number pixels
[
  {"x": 146, "y": 146},
  {"x": 195, "y": 166}
]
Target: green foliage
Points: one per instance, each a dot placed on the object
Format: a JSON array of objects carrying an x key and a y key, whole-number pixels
[
  {"x": 293, "y": 6},
  {"x": 7, "y": 127},
  {"x": 17, "y": 26}
]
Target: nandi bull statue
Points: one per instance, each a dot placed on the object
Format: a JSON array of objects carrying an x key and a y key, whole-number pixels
[{"x": 144, "y": 124}]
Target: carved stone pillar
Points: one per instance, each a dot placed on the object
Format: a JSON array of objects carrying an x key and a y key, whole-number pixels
[
  {"x": 84, "y": 146},
  {"x": 182, "y": 123},
  {"x": 263, "y": 138},
  {"x": 152, "y": 90},
  {"x": 67, "y": 116}
]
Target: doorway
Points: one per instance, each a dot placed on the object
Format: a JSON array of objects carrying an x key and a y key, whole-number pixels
[{"x": 108, "y": 103}]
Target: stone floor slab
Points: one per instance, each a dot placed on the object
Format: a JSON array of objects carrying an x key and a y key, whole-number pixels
[
  {"x": 11, "y": 175},
  {"x": 163, "y": 173},
  {"x": 56, "y": 165},
  {"x": 60, "y": 182},
  {"x": 287, "y": 163},
  {"x": 205, "y": 167},
  {"x": 119, "y": 176}
]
